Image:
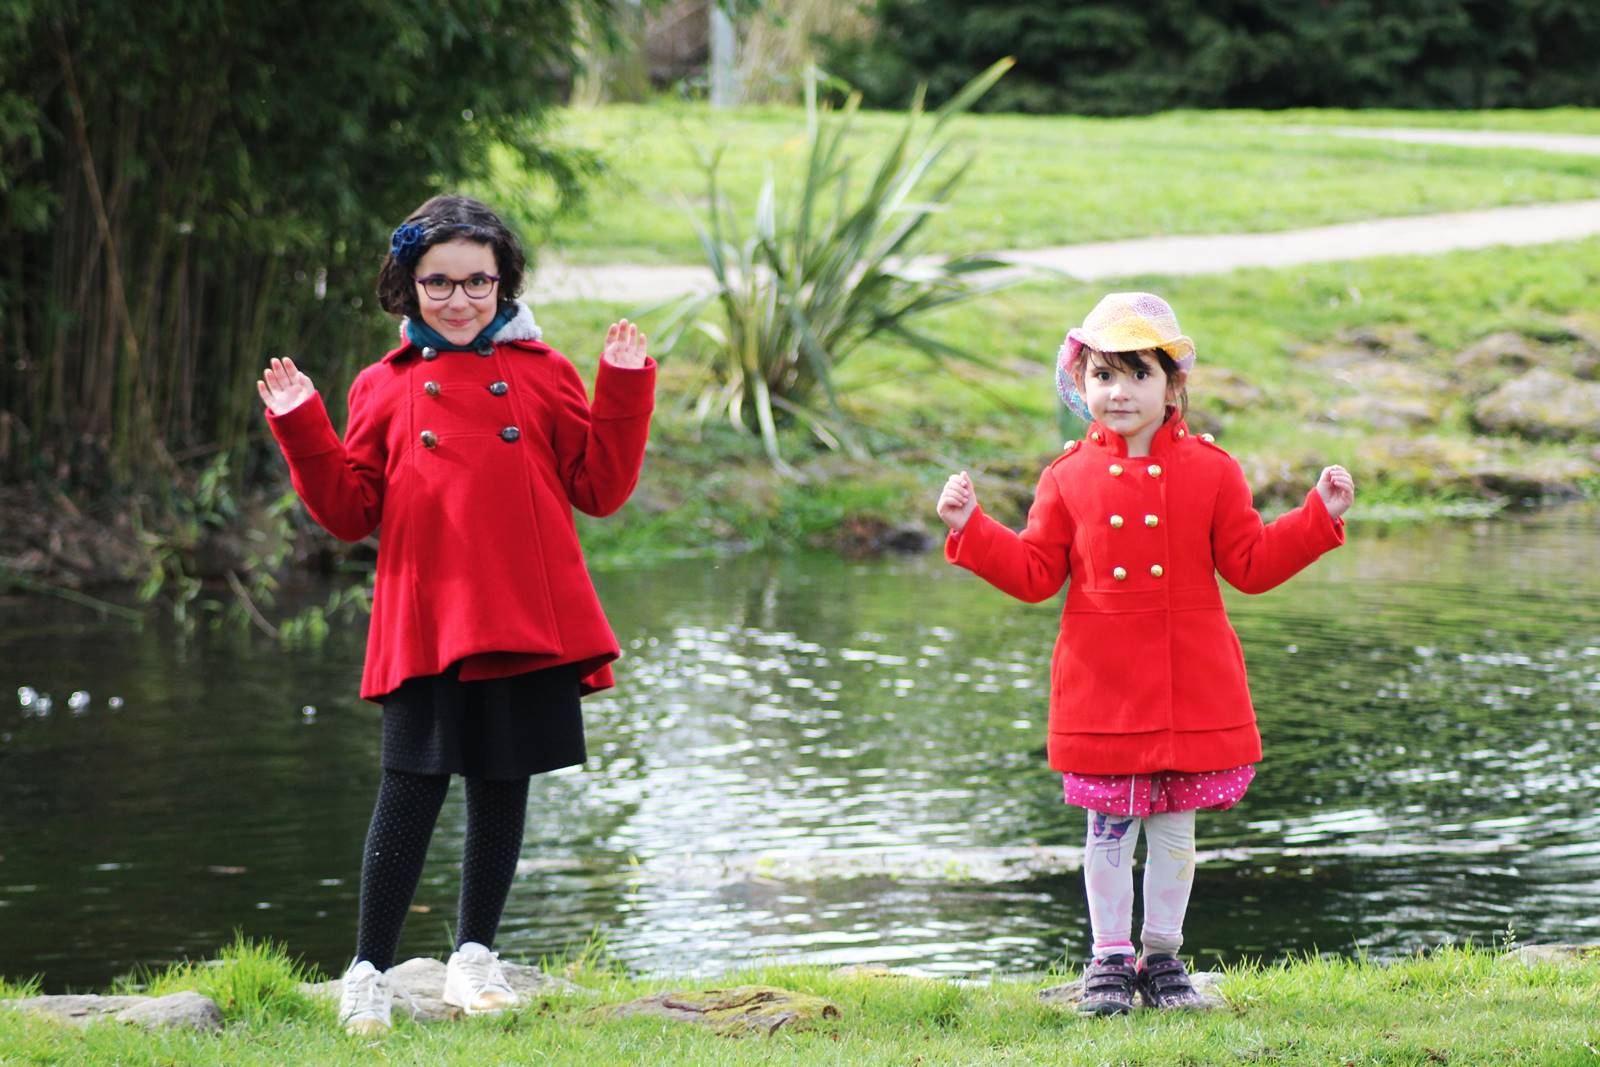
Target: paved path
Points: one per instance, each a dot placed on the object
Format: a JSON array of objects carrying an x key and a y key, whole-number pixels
[{"x": 1201, "y": 254}]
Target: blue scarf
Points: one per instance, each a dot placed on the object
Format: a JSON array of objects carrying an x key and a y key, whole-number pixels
[{"x": 422, "y": 335}]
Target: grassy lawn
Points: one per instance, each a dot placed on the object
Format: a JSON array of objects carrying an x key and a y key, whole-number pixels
[
  {"x": 1256, "y": 331},
  {"x": 1039, "y": 181},
  {"x": 1457, "y": 1006}
]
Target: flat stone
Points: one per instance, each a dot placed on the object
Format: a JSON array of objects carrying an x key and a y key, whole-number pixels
[
  {"x": 735, "y": 1012},
  {"x": 186, "y": 1009},
  {"x": 1206, "y": 983},
  {"x": 1557, "y": 953},
  {"x": 418, "y": 986},
  {"x": 1542, "y": 405}
]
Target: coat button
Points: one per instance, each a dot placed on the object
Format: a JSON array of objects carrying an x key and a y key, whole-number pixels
[
  {"x": 499, "y": 388},
  {"x": 1155, "y": 570},
  {"x": 485, "y": 348},
  {"x": 1155, "y": 470},
  {"x": 429, "y": 439},
  {"x": 1151, "y": 520},
  {"x": 1116, "y": 469},
  {"x": 510, "y": 433},
  {"x": 1207, "y": 438},
  {"x": 1120, "y": 573},
  {"x": 1182, "y": 434},
  {"x": 1116, "y": 522},
  {"x": 431, "y": 388},
  {"x": 430, "y": 353},
  {"x": 1096, "y": 436}
]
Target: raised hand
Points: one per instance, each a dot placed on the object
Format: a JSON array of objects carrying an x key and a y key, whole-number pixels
[
  {"x": 1337, "y": 490},
  {"x": 958, "y": 501},
  {"x": 284, "y": 387},
  {"x": 625, "y": 345}
]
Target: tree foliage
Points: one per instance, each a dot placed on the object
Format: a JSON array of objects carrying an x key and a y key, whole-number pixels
[
  {"x": 193, "y": 186},
  {"x": 1107, "y": 58}
]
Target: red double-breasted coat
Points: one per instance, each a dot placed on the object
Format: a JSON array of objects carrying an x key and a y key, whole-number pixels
[
  {"x": 472, "y": 464},
  {"x": 1147, "y": 673}
]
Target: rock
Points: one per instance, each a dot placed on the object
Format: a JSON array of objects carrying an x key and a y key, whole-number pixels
[
  {"x": 737, "y": 1011},
  {"x": 418, "y": 986},
  {"x": 1206, "y": 983},
  {"x": 187, "y": 1009},
  {"x": 1383, "y": 412},
  {"x": 1226, "y": 390},
  {"x": 1556, "y": 953},
  {"x": 1542, "y": 405},
  {"x": 1499, "y": 351},
  {"x": 1534, "y": 480}
]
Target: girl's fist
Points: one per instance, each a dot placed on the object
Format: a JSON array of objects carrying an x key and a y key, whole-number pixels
[
  {"x": 284, "y": 387},
  {"x": 1337, "y": 490},
  {"x": 958, "y": 501}
]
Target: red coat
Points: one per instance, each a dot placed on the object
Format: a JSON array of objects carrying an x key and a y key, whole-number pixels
[
  {"x": 1147, "y": 673},
  {"x": 474, "y": 486}
]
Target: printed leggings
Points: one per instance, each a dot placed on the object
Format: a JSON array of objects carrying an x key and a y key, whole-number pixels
[
  {"x": 397, "y": 843},
  {"x": 1168, "y": 877}
]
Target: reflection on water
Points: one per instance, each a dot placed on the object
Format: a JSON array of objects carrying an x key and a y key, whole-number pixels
[{"x": 1427, "y": 697}]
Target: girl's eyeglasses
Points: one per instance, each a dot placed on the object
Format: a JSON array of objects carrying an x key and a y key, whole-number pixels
[{"x": 439, "y": 287}]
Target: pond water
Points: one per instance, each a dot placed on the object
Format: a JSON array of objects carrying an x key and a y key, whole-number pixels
[{"x": 1428, "y": 699}]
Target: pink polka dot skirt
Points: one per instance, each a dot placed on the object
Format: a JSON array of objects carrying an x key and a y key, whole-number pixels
[{"x": 1152, "y": 794}]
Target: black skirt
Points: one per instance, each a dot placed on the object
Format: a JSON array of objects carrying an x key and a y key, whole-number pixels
[{"x": 494, "y": 728}]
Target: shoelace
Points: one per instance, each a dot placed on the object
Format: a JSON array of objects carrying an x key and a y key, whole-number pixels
[
  {"x": 486, "y": 974},
  {"x": 366, "y": 992}
]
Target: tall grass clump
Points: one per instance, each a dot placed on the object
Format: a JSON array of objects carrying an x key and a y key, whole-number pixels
[
  {"x": 825, "y": 268},
  {"x": 250, "y": 981}
]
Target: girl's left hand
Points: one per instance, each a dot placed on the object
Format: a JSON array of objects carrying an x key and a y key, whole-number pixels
[
  {"x": 625, "y": 345},
  {"x": 1337, "y": 490}
]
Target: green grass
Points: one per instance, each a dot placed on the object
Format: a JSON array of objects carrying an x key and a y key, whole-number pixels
[
  {"x": 1040, "y": 181},
  {"x": 702, "y": 489},
  {"x": 1457, "y": 1006}
]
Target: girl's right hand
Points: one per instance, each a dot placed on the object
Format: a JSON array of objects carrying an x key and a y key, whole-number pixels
[
  {"x": 958, "y": 501},
  {"x": 284, "y": 387}
]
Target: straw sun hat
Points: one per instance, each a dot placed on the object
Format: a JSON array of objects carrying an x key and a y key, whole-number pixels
[{"x": 1122, "y": 322}]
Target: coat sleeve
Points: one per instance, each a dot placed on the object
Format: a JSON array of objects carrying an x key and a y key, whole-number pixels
[
  {"x": 1255, "y": 556},
  {"x": 1032, "y": 565},
  {"x": 341, "y": 483},
  {"x": 600, "y": 449}
]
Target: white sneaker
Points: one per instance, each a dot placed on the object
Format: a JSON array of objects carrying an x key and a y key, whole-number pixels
[
  {"x": 365, "y": 1004},
  {"x": 475, "y": 982}
]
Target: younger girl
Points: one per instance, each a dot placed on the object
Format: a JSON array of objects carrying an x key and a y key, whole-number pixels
[
  {"x": 470, "y": 444},
  {"x": 1150, "y": 715}
]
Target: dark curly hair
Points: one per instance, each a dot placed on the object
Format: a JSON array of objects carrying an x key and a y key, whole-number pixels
[{"x": 449, "y": 218}]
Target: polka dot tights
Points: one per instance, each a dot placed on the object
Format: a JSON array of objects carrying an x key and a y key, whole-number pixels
[{"x": 397, "y": 843}]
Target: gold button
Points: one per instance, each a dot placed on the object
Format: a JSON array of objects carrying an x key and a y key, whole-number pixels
[
  {"x": 1095, "y": 435},
  {"x": 1151, "y": 520},
  {"x": 1155, "y": 470},
  {"x": 1155, "y": 570},
  {"x": 1120, "y": 573},
  {"x": 1116, "y": 469},
  {"x": 1116, "y": 522},
  {"x": 1207, "y": 438},
  {"x": 431, "y": 388},
  {"x": 1182, "y": 434}
]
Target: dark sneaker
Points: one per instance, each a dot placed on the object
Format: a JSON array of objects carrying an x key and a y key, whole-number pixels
[
  {"x": 1164, "y": 983},
  {"x": 1108, "y": 987}
]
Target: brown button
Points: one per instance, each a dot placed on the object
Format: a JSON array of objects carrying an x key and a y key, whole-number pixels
[
  {"x": 429, "y": 439},
  {"x": 499, "y": 388},
  {"x": 431, "y": 388},
  {"x": 1155, "y": 570},
  {"x": 1116, "y": 522},
  {"x": 1155, "y": 470},
  {"x": 1151, "y": 520},
  {"x": 1119, "y": 573},
  {"x": 1116, "y": 469},
  {"x": 510, "y": 433},
  {"x": 430, "y": 354}
]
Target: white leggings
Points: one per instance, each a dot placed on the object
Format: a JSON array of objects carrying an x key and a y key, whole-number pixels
[{"x": 1168, "y": 877}]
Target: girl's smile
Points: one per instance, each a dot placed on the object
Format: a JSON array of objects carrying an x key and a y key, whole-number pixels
[{"x": 458, "y": 318}]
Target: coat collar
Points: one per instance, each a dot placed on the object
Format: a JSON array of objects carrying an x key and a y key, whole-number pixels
[
  {"x": 520, "y": 328},
  {"x": 1169, "y": 436}
]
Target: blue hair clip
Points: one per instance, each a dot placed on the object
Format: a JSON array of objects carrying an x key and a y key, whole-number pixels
[{"x": 405, "y": 244}]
